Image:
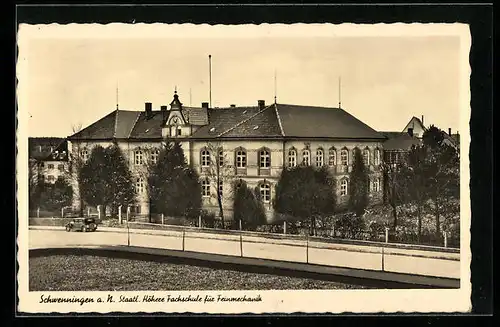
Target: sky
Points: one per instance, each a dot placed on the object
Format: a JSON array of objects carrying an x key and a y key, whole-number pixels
[{"x": 385, "y": 80}]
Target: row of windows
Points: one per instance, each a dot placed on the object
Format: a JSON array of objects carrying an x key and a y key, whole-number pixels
[
  {"x": 139, "y": 156},
  {"x": 264, "y": 157},
  {"x": 51, "y": 166}
]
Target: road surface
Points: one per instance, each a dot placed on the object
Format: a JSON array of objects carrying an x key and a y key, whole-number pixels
[{"x": 416, "y": 262}]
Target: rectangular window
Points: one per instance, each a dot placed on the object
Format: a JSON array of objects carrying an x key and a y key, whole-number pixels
[
  {"x": 344, "y": 157},
  {"x": 205, "y": 188},
  {"x": 205, "y": 158},
  {"x": 179, "y": 132},
  {"x": 60, "y": 167},
  {"x": 50, "y": 178},
  {"x": 221, "y": 188},
  {"x": 154, "y": 156},
  {"x": 241, "y": 159},
  {"x": 265, "y": 159},
  {"x": 332, "y": 158},
  {"x": 138, "y": 157},
  {"x": 50, "y": 166},
  {"x": 343, "y": 187}
]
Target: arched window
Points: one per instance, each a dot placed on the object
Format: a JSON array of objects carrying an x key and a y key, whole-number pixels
[
  {"x": 138, "y": 157},
  {"x": 84, "y": 154},
  {"x": 292, "y": 158},
  {"x": 265, "y": 192},
  {"x": 264, "y": 158},
  {"x": 344, "y": 157},
  {"x": 205, "y": 188},
  {"x": 241, "y": 158},
  {"x": 320, "y": 158},
  {"x": 205, "y": 158},
  {"x": 366, "y": 156},
  {"x": 306, "y": 157},
  {"x": 376, "y": 158},
  {"x": 344, "y": 185},
  {"x": 139, "y": 185},
  {"x": 332, "y": 157},
  {"x": 154, "y": 156}
]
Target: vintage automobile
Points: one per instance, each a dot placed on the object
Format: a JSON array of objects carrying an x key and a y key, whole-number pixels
[{"x": 82, "y": 224}]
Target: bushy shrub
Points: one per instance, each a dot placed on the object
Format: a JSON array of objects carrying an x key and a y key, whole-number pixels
[
  {"x": 207, "y": 219},
  {"x": 349, "y": 225}
]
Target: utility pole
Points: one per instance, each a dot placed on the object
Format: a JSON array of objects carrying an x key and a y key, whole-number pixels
[{"x": 210, "y": 79}]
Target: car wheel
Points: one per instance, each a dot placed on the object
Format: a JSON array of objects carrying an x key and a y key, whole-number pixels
[
  {"x": 84, "y": 229},
  {"x": 68, "y": 229}
]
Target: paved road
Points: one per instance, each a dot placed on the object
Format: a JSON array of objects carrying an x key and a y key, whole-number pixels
[{"x": 425, "y": 263}]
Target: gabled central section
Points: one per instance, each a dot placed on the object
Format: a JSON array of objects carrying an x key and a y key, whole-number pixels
[{"x": 175, "y": 124}]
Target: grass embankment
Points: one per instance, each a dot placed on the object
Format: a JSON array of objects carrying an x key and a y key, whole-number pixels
[{"x": 94, "y": 273}]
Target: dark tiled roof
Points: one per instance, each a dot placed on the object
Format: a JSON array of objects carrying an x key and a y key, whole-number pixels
[
  {"x": 263, "y": 123},
  {"x": 221, "y": 120},
  {"x": 308, "y": 121},
  {"x": 104, "y": 128},
  {"x": 147, "y": 128},
  {"x": 402, "y": 142},
  {"x": 391, "y": 135},
  {"x": 276, "y": 120}
]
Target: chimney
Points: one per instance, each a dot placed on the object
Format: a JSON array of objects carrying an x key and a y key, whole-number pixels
[
  {"x": 204, "y": 105},
  {"x": 423, "y": 120},
  {"x": 233, "y": 106},
  {"x": 163, "y": 108},
  {"x": 261, "y": 104},
  {"x": 410, "y": 132},
  {"x": 449, "y": 131},
  {"x": 148, "y": 108}
]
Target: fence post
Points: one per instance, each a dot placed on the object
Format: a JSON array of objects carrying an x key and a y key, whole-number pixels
[
  {"x": 38, "y": 212},
  {"x": 386, "y": 235},
  {"x": 183, "y": 238},
  {"x": 120, "y": 214},
  {"x": 307, "y": 247},
  {"x": 128, "y": 213},
  {"x": 445, "y": 239},
  {"x": 382, "y": 258},
  {"x": 88, "y": 212},
  {"x": 284, "y": 227},
  {"x": 99, "y": 212},
  {"x": 241, "y": 244},
  {"x": 62, "y": 212},
  {"x": 162, "y": 219},
  {"x": 240, "y": 225},
  {"x": 333, "y": 231}
]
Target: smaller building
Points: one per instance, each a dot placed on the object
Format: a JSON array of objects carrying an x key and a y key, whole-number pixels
[
  {"x": 48, "y": 158},
  {"x": 415, "y": 127}
]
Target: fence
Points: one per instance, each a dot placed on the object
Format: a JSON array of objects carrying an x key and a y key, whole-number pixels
[{"x": 386, "y": 257}]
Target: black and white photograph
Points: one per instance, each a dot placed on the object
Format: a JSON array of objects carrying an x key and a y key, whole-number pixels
[{"x": 243, "y": 168}]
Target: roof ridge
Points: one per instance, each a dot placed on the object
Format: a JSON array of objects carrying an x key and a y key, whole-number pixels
[
  {"x": 135, "y": 123},
  {"x": 279, "y": 119},
  {"x": 243, "y": 121}
]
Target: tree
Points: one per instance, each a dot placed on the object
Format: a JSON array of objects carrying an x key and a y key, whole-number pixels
[
  {"x": 120, "y": 188},
  {"x": 443, "y": 176},
  {"x": 175, "y": 186},
  {"x": 75, "y": 165},
  {"x": 418, "y": 182},
  {"x": 33, "y": 182},
  {"x": 248, "y": 207},
  {"x": 219, "y": 172},
  {"x": 359, "y": 185},
  {"x": 105, "y": 179},
  {"x": 395, "y": 189},
  {"x": 305, "y": 192},
  {"x": 55, "y": 196},
  {"x": 92, "y": 177}
]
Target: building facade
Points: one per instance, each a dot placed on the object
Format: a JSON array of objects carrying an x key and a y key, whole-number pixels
[
  {"x": 248, "y": 143},
  {"x": 48, "y": 158}
]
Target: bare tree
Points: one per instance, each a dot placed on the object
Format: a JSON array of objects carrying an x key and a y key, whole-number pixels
[
  {"x": 150, "y": 158},
  {"x": 220, "y": 172},
  {"x": 395, "y": 187},
  {"x": 76, "y": 162}
]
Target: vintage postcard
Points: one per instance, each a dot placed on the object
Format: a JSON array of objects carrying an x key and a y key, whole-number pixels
[{"x": 272, "y": 168}]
